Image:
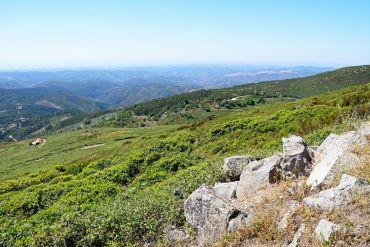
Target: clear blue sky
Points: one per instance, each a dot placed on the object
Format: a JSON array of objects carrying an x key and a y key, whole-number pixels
[{"x": 68, "y": 33}]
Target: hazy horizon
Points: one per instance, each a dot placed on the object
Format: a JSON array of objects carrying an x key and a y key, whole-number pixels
[
  {"x": 111, "y": 34},
  {"x": 164, "y": 66}
]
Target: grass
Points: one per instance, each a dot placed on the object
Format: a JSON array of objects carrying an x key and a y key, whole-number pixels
[{"x": 18, "y": 158}]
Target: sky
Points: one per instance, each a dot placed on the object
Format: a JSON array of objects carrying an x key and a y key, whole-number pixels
[{"x": 113, "y": 33}]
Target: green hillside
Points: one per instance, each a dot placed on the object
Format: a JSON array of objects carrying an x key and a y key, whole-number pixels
[
  {"x": 121, "y": 193},
  {"x": 39, "y": 100},
  {"x": 139, "y": 93},
  {"x": 24, "y": 111},
  {"x": 293, "y": 88}
]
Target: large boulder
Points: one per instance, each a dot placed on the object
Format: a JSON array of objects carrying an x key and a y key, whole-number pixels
[
  {"x": 296, "y": 157},
  {"x": 257, "y": 174},
  {"x": 324, "y": 230},
  {"x": 226, "y": 190},
  {"x": 335, "y": 153},
  {"x": 233, "y": 166},
  {"x": 339, "y": 196},
  {"x": 212, "y": 215}
]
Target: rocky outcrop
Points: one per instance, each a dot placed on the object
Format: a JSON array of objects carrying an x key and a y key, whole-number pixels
[
  {"x": 257, "y": 174},
  {"x": 324, "y": 229},
  {"x": 339, "y": 196},
  {"x": 296, "y": 160},
  {"x": 297, "y": 236},
  {"x": 233, "y": 166},
  {"x": 212, "y": 215},
  {"x": 296, "y": 157},
  {"x": 213, "y": 211},
  {"x": 335, "y": 153},
  {"x": 226, "y": 190}
]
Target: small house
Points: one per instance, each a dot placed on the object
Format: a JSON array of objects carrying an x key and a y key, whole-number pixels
[{"x": 37, "y": 141}]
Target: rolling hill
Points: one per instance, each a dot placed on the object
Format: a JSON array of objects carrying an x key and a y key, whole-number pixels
[
  {"x": 292, "y": 88},
  {"x": 24, "y": 111},
  {"x": 34, "y": 101}
]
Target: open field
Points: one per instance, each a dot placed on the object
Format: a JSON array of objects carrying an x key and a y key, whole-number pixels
[{"x": 18, "y": 158}]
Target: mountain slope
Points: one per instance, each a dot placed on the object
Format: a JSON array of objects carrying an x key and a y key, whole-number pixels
[
  {"x": 24, "y": 111},
  {"x": 296, "y": 88},
  {"x": 130, "y": 189},
  {"x": 44, "y": 100},
  {"x": 136, "y": 94}
]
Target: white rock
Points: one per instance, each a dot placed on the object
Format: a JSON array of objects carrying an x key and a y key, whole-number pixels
[
  {"x": 226, "y": 190},
  {"x": 257, "y": 174},
  {"x": 297, "y": 236},
  {"x": 283, "y": 223},
  {"x": 296, "y": 157},
  {"x": 233, "y": 166},
  {"x": 336, "y": 150},
  {"x": 337, "y": 197},
  {"x": 211, "y": 215},
  {"x": 324, "y": 229}
]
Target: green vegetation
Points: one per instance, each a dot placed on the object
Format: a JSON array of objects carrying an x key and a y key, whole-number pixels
[
  {"x": 122, "y": 193},
  {"x": 25, "y": 111},
  {"x": 293, "y": 88},
  {"x": 18, "y": 158}
]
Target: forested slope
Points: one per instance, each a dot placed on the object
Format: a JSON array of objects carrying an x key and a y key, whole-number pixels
[{"x": 294, "y": 88}]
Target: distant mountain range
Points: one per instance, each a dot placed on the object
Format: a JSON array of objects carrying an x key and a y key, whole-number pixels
[
  {"x": 126, "y": 87},
  {"x": 201, "y": 76}
]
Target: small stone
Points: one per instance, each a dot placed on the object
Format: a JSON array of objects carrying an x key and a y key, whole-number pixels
[
  {"x": 297, "y": 236},
  {"x": 324, "y": 230},
  {"x": 283, "y": 223},
  {"x": 178, "y": 192}
]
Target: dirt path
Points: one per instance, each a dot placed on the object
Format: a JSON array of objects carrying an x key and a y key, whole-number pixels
[{"x": 93, "y": 146}]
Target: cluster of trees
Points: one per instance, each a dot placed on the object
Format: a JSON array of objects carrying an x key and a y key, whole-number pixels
[{"x": 249, "y": 101}]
